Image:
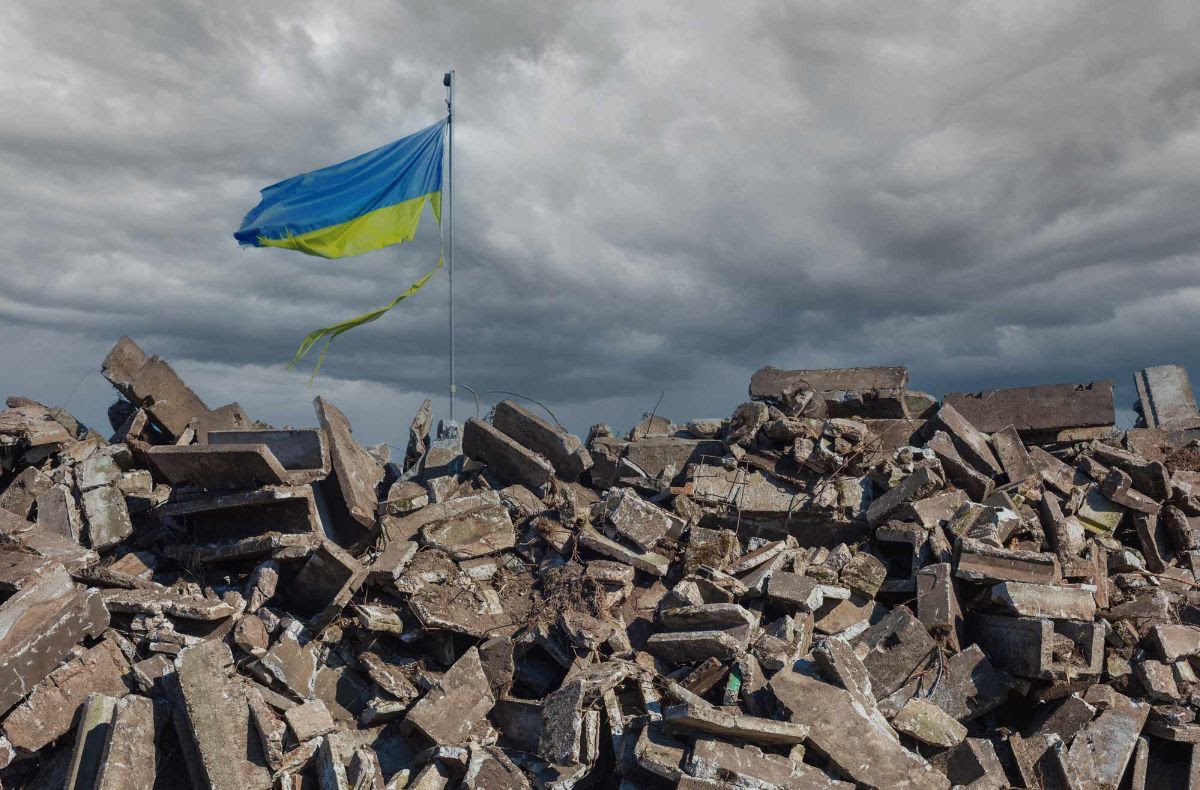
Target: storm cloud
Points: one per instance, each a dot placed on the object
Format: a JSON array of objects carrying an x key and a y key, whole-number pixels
[{"x": 653, "y": 198}]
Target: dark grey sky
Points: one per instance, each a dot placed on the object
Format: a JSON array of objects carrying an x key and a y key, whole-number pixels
[{"x": 653, "y": 197}]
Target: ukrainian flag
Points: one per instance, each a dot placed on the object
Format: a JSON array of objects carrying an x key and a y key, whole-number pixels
[
  {"x": 359, "y": 205},
  {"x": 362, "y": 204}
]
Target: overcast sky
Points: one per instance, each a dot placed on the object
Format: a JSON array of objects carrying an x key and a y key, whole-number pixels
[{"x": 652, "y": 197}]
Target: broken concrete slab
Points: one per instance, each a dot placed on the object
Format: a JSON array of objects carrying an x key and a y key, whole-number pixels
[
  {"x": 218, "y": 465},
  {"x": 842, "y": 732},
  {"x": 636, "y": 519},
  {"x": 509, "y": 459},
  {"x": 456, "y": 704},
  {"x": 95, "y": 722},
  {"x": 646, "y": 561},
  {"x": 41, "y": 623},
  {"x": 477, "y": 533},
  {"x": 49, "y": 711},
  {"x": 212, "y": 718},
  {"x": 926, "y": 722},
  {"x": 1045, "y": 600},
  {"x": 937, "y": 603},
  {"x": 130, "y": 759},
  {"x": 303, "y": 453},
  {"x": 151, "y": 383},
  {"x": 1165, "y": 397},
  {"x": 980, "y": 562},
  {"x": 702, "y": 717},
  {"x": 893, "y": 650},
  {"x": 1042, "y": 409},
  {"x": 971, "y": 442},
  {"x": 866, "y": 392},
  {"x": 564, "y": 451},
  {"x": 356, "y": 474}
]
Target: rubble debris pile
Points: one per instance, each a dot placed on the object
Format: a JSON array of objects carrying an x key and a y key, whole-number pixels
[{"x": 847, "y": 583}]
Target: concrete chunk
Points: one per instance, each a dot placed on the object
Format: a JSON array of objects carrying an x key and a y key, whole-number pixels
[
  {"x": 969, "y": 440},
  {"x": 212, "y": 718},
  {"x": 1045, "y": 600},
  {"x": 326, "y": 583},
  {"x": 929, "y": 724},
  {"x": 505, "y": 456},
  {"x": 107, "y": 517},
  {"x": 159, "y": 601},
  {"x": 95, "y": 722},
  {"x": 1165, "y": 396},
  {"x": 1174, "y": 641},
  {"x": 218, "y": 465},
  {"x": 702, "y": 717},
  {"x": 39, "y": 626},
  {"x": 1010, "y": 449},
  {"x": 1044, "y": 408},
  {"x": 563, "y": 450},
  {"x": 638, "y": 520},
  {"x": 356, "y": 475},
  {"x": 130, "y": 760},
  {"x": 456, "y": 705},
  {"x": 49, "y": 711},
  {"x": 841, "y": 731},
  {"x": 971, "y": 481},
  {"x": 646, "y": 561},
  {"x": 919, "y": 485},
  {"x": 1039, "y": 648},
  {"x": 1100, "y": 752},
  {"x": 477, "y": 533}
]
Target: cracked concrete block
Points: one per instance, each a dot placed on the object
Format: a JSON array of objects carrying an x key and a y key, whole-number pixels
[
  {"x": 699, "y": 716},
  {"x": 1045, "y": 600},
  {"x": 1040, "y": 648},
  {"x": 1048, "y": 408},
  {"x": 509, "y": 459},
  {"x": 841, "y": 731},
  {"x": 926, "y": 722},
  {"x": 49, "y": 711},
  {"x": 1165, "y": 397},
  {"x": 637, "y": 520},
  {"x": 107, "y": 517},
  {"x": 456, "y": 704},
  {"x": 564, "y": 451},
  {"x": 218, "y": 465},
  {"x": 355, "y": 476},
  {"x": 41, "y": 623},
  {"x": 212, "y": 719},
  {"x": 130, "y": 759}
]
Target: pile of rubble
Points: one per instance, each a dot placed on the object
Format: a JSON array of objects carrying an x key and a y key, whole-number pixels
[{"x": 845, "y": 583}]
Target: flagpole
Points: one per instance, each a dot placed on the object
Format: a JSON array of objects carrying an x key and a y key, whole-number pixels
[{"x": 448, "y": 81}]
